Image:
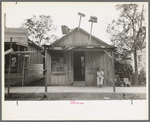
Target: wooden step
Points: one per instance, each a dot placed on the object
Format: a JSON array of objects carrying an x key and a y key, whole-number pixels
[{"x": 79, "y": 83}]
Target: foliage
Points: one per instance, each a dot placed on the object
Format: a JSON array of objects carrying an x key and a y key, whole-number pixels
[
  {"x": 123, "y": 68},
  {"x": 128, "y": 32},
  {"x": 40, "y": 29}
]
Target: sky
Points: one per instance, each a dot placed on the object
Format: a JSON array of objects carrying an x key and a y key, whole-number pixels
[{"x": 64, "y": 13}]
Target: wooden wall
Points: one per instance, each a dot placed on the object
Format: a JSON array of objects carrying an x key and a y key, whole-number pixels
[
  {"x": 65, "y": 78},
  {"x": 75, "y": 39},
  {"x": 92, "y": 61},
  {"x": 36, "y": 58},
  {"x": 14, "y": 78},
  {"x": 18, "y": 35},
  {"x": 34, "y": 73}
]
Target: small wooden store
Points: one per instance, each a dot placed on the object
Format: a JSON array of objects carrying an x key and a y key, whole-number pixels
[
  {"x": 74, "y": 58},
  {"x": 26, "y": 59}
]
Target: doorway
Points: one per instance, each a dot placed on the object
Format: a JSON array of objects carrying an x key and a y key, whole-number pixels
[{"x": 79, "y": 66}]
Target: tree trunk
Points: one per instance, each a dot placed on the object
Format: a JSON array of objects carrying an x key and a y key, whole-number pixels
[{"x": 136, "y": 68}]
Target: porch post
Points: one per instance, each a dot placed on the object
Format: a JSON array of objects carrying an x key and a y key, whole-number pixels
[
  {"x": 9, "y": 71},
  {"x": 46, "y": 70},
  {"x": 105, "y": 69},
  {"x": 23, "y": 70},
  {"x": 18, "y": 60},
  {"x": 113, "y": 71}
]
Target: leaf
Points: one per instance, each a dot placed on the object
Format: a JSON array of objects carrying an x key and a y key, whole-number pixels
[{"x": 39, "y": 25}]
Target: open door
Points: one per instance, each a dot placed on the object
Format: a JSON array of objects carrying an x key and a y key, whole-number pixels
[{"x": 79, "y": 66}]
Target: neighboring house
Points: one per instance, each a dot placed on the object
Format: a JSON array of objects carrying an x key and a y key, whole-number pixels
[
  {"x": 26, "y": 67},
  {"x": 74, "y": 58}
]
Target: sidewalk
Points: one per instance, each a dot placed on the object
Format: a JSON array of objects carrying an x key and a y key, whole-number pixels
[
  {"x": 76, "y": 93},
  {"x": 53, "y": 89}
]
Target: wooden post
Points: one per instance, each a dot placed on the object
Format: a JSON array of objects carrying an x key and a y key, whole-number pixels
[
  {"x": 72, "y": 66},
  {"x": 91, "y": 30},
  {"x": 113, "y": 71},
  {"x": 105, "y": 69},
  {"x": 92, "y": 19},
  {"x": 79, "y": 23},
  {"x": 5, "y": 20},
  {"x": 23, "y": 69},
  {"x": 25, "y": 65},
  {"x": 9, "y": 71},
  {"x": 81, "y": 15},
  {"x": 18, "y": 61},
  {"x": 46, "y": 70}
]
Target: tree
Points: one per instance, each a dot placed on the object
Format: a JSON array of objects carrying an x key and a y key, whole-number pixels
[
  {"x": 40, "y": 29},
  {"x": 128, "y": 32}
]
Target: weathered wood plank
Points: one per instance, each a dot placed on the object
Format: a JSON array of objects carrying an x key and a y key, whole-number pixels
[
  {"x": 105, "y": 69},
  {"x": 90, "y": 49},
  {"x": 113, "y": 71},
  {"x": 108, "y": 54},
  {"x": 18, "y": 35},
  {"x": 72, "y": 67},
  {"x": 23, "y": 70},
  {"x": 47, "y": 69},
  {"x": 24, "y": 52},
  {"x": 18, "y": 61},
  {"x": 9, "y": 71},
  {"x": 79, "y": 38},
  {"x": 92, "y": 61},
  {"x": 8, "y": 51},
  {"x": 66, "y": 67}
]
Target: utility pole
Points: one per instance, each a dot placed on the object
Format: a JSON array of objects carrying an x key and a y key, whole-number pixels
[
  {"x": 81, "y": 15},
  {"x": 93, "y": 19}
]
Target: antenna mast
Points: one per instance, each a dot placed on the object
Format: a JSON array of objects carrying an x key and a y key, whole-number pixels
[
  {"x": 92, "y": 19},
  {"x": 81, "y": 15}
]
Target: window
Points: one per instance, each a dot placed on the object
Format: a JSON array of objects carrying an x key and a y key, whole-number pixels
[
  {"x": 14, "y": 63},
  {"x": 57, "y": 63}
]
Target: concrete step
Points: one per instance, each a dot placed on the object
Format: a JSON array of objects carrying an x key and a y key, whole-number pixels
[{"x": 79, "y": 83}]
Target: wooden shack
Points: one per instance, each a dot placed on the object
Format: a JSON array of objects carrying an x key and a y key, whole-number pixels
[
  {"x": 74, "y": 58},
  {"x": 26, "y": 67}
]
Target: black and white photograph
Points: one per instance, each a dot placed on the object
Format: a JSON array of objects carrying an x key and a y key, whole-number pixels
[{"x": 74, "y": 60}]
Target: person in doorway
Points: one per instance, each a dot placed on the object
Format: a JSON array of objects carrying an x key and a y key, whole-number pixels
[{"x": 100, "y": 77}]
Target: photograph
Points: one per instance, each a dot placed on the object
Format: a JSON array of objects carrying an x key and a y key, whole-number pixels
[{"x": 77, "y": 53}]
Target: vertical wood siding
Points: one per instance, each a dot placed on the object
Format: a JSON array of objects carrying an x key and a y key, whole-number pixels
[
  {"x": 18, "y": 35},
  {"x": 94, "y": 60},
  {"x": 36, "y": 58},
  {"x": 76, "y": 37},
  {"x": 66, "y": 78}
]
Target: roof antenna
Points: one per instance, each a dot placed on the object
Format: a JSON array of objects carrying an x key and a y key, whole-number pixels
[
  {"x": 81, "y": 15},
  {"x": 92, "y": 19}
]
